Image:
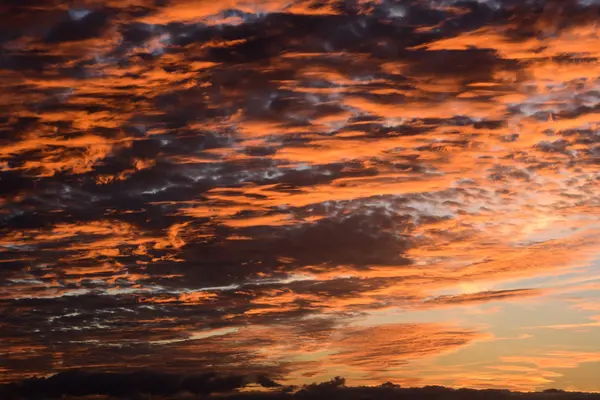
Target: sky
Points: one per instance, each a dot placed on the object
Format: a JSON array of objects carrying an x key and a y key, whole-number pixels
[{"x": 383, "y": 190}]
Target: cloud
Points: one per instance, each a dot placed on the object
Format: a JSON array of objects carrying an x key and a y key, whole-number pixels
[
  {"x": 484, "y": 296},
  {"x": 556, "y": 359}
]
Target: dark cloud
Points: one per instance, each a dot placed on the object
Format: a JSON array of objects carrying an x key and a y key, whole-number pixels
[{"x": 80, "y": 25}]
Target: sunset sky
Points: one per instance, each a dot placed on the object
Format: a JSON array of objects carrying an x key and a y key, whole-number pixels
[{"x": 384, "y": 190}]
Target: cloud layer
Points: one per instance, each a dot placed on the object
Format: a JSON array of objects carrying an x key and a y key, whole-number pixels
[{"x": 291, "y": 187}]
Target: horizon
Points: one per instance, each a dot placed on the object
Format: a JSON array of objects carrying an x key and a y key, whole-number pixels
[{"x": 132, "y": 384}]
